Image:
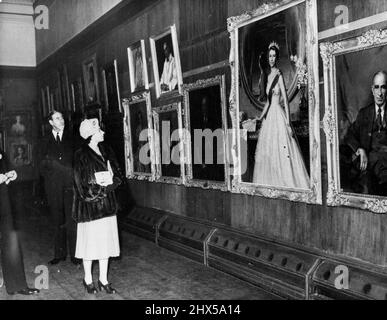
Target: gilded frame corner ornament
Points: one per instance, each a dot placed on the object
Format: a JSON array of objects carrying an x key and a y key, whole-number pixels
[
  {"x": 219, "y": 81},
  {"x": 328, "y": 52},
  {"x": 313, "y": 195},
  {"x": 129, "y": 156}
]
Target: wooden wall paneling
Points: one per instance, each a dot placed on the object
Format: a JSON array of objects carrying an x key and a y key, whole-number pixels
[
  {"x": 191, "y": 203},
  {"x": 357, "y": 9},
  {"x": 201, "y": 17},
  {"x": 206, "y": 51},
  {"x": 236, "y": 7}
]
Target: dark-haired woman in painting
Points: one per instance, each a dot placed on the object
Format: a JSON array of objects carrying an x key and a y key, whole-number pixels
[{"x": 278, "y": 159}]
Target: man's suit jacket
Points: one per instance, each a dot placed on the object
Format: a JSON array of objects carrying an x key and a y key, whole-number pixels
[
  {"x": 56, "y": 157},
  {"x": 359, "y": 134}
]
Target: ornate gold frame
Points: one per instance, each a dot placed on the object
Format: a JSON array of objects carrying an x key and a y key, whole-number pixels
[
  {"x": 172, "y": 31},
  {"x": 328, "y": 51},
  {"x": 130, "y": 173},
  {"x": 313, "y": 194},
  {"x": 168, "y": 108},
  {"x": 188, "y": 88}
]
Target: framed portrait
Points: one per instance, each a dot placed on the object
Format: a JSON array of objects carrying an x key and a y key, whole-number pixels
[
  {"x": 111, "y": 87},
  {"x": 355, "y": 120},
  {"x": 205, "y": 120},
  {"x": 139, "y": 146},
  {"x": 19, "y": 125},
  {"x": 274, "y": 102},
  {"x": 138, "y": 68},
  {"x": 20, "y": 154},
  {"x": 64, "y": 90},
  {"x": 169, "y": 144},
  {"x": 166, "y": 63},
  {"x": 77, "y": 95},
  {"x": 90, "y": 77}
]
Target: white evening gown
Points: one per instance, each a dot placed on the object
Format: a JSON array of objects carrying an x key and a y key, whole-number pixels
[{"x": 278, "y": 160}]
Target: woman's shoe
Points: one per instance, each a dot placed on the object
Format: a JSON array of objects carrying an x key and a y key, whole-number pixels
[
  {"x": 108, "y": 288},
  {"x": 90, "y": 288}
]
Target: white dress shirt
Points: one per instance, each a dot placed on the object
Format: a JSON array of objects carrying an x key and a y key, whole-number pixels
[
  {"x": 377, "y": 110},
  {"x": 55, "y": 133}
]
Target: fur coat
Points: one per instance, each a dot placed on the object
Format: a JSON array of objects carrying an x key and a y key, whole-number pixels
[{"x": 92, "y": 201}]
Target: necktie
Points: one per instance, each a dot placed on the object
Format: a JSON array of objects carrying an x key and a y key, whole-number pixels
[
  {"x": 379, "y": 119},
  {"x": 57, "y": 138}
]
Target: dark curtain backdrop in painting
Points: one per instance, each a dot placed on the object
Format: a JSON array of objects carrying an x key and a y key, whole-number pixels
[{"x": 206, "y": 115}]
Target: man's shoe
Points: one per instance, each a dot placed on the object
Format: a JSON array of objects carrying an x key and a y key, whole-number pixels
[
  {"x": 25, "y": 292},
  {"x": 55, "y": 261}
]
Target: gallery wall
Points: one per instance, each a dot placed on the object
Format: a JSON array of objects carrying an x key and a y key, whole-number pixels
[
  {"x": 18, "y": 92},
  {"x": 204, "y": 50},
  {"x": 66, "y": 20}
]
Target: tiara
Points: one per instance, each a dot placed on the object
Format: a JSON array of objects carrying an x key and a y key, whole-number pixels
[{"x": 274, "y": 44}]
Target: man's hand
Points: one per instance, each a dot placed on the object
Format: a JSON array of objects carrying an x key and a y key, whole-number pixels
[{"x": 363, "y": 159}]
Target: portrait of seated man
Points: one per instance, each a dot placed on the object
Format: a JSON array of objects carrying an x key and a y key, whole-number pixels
[{"x": 367, "y": 140}]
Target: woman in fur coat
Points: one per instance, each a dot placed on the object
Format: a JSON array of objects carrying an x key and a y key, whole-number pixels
[{"x": 97, "y": 175}]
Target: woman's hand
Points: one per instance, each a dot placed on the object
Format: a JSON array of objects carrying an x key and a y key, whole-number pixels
[
  {"x": 12, "y": 175},
  {"x": 3, "y": 178}
]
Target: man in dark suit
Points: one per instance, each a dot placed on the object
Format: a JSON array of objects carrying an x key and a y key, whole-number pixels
[
  {"x": 11, "y": 251},
  {"x": 367, "y": 137},
  {"x": 57, "y": 170}
]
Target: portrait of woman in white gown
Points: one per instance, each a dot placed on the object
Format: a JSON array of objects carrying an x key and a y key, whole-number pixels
[{"x": 278, "y": 159}]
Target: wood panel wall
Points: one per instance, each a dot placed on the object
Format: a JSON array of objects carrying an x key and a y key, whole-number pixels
[
  {"x": 203, "y": 41},
  {"x": 18, "y": 89}
]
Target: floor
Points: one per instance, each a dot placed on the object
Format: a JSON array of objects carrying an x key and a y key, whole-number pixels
[{"x": 143, "y": 272}]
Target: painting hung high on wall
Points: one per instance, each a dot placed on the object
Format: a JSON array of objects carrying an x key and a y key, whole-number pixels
[
  {"x": 205, "y": 118},
  {"x": 139, "y": 143},
  {"x": 18, "y": 132},
  {"x": 274, "y": 101},
  {"x": 166, "y": 62},
  {"x": 90, "y": 77},
  {"x": 19, "y": 125},
  {"x": 111, "y": 87},
  {"x": 138, "y": 69},
  {"x": 355, "y": 121}
]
